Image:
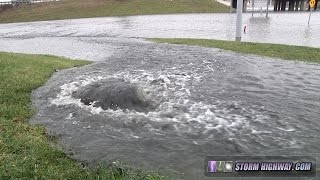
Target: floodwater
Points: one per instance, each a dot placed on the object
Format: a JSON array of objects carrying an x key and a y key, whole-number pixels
[
  {"x": 281, "y": 28},
  {"x": 204, "y": 101}
]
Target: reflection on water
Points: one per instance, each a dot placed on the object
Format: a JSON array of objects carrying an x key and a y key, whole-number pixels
[
  {"x": 307, "y": 33},
  {"x": 125, "y": 22},
  {"x": 259, "y": 25}
]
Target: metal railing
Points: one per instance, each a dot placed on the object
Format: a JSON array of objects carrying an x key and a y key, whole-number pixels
[
  {"x": 17, "y": 2},
  {"x": 5, "y": 3}
]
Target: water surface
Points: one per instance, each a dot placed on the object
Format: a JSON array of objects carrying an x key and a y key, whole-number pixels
[{"x": 205, "y": 101}]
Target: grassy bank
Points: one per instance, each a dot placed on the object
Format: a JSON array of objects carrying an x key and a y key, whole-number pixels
[
  {"x": 26, "y": 151},
  {"x": 68, "y": 9},
  {"x": 271, "y": 50}
]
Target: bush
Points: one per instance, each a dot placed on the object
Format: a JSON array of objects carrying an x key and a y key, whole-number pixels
[{"x": 5, "y": 7}]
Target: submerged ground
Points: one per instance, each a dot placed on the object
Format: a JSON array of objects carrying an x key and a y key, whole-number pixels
[
  {"x": 207, "y": 101},
  {"x": 27, "y": 152},
  {"x": 201, "y": 100}
]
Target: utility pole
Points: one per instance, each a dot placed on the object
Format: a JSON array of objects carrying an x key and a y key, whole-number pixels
[
  {"x": 239, "y": 20},
  {"x": 268, "y": 2},
  {"x": 309, "y": 16},
  {"x": 252, "y": 1}
]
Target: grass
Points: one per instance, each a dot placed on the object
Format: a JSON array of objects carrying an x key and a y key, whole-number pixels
[
  {"x": 27, "y": 152},
  {"x": 287, "y": 52},
  {"x": 70, "y": 9}
]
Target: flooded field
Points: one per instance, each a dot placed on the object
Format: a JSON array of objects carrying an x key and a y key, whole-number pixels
[{"x": 164, "y": 107}]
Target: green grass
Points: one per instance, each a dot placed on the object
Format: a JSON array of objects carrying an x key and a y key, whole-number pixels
[
  {"x": 27, "y": 152},
  {"x": 287, "y": 52},
  {"x": 69, "y": 9}
]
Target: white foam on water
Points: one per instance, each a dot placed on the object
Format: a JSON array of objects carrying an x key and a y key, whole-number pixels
[
  {"x": 288, "y": 130},
  {"x": 75, "y": 123},
  {"x": 65, "y": 96},
  {"x": 253, "y": 131},
  {"x": 70, "y": 116},
  {"x": 174, "y": 103}
]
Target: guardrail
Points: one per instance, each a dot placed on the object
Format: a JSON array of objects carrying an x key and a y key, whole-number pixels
[
  {"x": 17, "y": 2},
  {"x": 4, "y": 3}
]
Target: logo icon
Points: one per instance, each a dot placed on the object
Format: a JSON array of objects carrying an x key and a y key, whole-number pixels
[
  {"x": 220, "y": 166},
  {"x": 212, "y": 165},
  {"x": 228, "y": 166}
]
